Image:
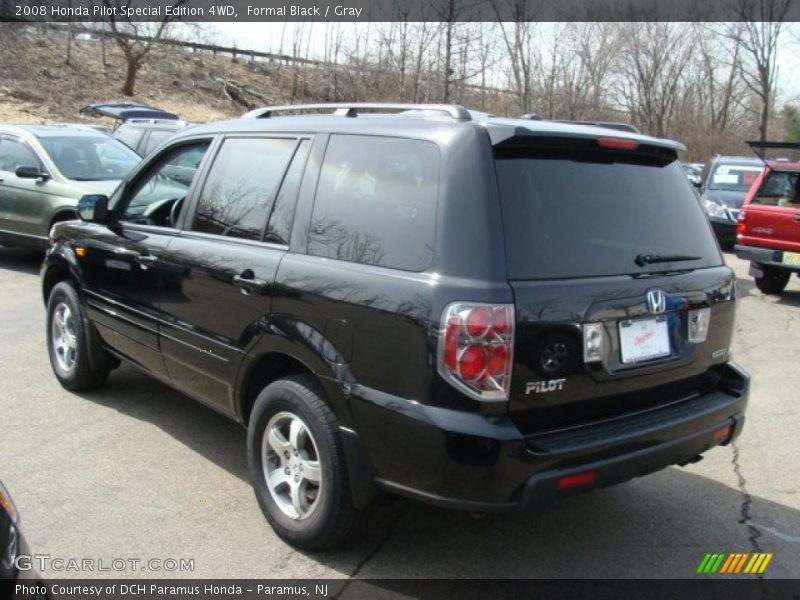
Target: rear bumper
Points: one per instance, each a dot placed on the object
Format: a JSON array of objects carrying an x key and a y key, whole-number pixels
[
  {"x": 766, "y": 257},
  {"x": 474, "y": 462}
]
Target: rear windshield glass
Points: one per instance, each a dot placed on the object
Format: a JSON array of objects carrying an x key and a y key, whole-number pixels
[
  {"x": 591, "y": 213},
  {"x": 780, "y": 188}
]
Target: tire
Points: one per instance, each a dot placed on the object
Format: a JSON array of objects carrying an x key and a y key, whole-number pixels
[
  {"x": 70, "y": 358},
  {"x": 327, "y": 517},
  {"x": 773, "y": 282}
]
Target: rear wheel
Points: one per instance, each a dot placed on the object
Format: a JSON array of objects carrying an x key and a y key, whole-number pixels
[
  {"x": 298, "y": 465},
  {"x": 774, "y": 280},
  {"x": 67, "y": 343}
]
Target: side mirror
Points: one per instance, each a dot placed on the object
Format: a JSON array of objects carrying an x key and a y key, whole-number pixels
[
  {"x": 93, "y": 208},
  {"x": 698, "y": 184},
  {"x": 29, "y": 172}
]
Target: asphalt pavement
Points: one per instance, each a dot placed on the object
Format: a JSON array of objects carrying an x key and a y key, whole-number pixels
[{"x": 138, "y": 471}]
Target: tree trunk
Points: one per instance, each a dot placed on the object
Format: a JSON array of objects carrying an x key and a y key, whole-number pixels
[{"x": 130, "y": 77}]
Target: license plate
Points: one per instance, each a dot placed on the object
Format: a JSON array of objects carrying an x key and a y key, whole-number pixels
[
  {"x": 644, "y": 339},
  {"x": 791, "y": 258}
]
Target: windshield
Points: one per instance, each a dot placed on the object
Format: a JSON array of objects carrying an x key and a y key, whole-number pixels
[
  {"x": 591, "y": 213},
  {"x": 733, "y": 178},
  {"x": 90, "y": 158}
]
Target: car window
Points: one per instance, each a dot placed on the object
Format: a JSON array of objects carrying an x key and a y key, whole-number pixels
[
  {"x": 239, "y": 192},
  {"x": 376, "y": 202},
  {"x": 590, "y": 213},
  {"x": 279, "y": 223},
  {"x": 128, "y": 135},
  {"x": 165, "y": 183},
  {"x": 734, "y": 178},
  {"x": 83, "y": 158},
  {"x": 155, "y": 139},
  {"x": 15, "y": 154},
  {"x": 781, "y": 189}
]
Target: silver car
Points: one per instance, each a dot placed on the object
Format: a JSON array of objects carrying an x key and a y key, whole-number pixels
[{"x": 44, "y": 170}]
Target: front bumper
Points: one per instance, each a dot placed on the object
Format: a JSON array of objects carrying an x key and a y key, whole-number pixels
[
  {"x": 725, "y": 230},
  {"x": 475, "y": 462},
  {"x": 763, "y": 257}
]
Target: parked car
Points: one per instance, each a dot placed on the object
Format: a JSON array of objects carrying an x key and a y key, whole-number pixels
[
  {"x": 44, "y": 170},
  {"x": 728, "y": 180},
  {"x": 768, "y": 231},
  {"x": 143, "y": 128},
  {"x": 405, "y": 301},
  {"x": 693, "y": 174},
  {"x": 12, "y": 547}
]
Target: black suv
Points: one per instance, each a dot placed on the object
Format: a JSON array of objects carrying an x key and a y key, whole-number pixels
[{"x": 476, "y": 312}]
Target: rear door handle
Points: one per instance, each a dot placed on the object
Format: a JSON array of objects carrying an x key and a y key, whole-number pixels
[
  {"x": 146, "y": 260},
  {"x": 248, "y": 282}
]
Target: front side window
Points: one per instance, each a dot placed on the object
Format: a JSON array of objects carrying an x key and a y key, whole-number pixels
[
  {"x": 376, "y": 202},
  {"x": 14, "y": 154},
  {"x": 240, "y": 190},
  {"x": 84, "y": 158},
  {"x": 158, "y": 196}
]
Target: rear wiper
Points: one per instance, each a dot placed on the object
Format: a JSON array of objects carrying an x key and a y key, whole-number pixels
[{"x": 649, "y": 259}]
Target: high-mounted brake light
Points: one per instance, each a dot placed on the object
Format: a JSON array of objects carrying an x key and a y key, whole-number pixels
[
  {"x": 617, "y": 143},
  {"x": 476, "y": 348}
]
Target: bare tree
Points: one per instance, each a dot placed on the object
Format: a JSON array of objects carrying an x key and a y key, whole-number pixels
[
  {"x": 518, "y": 38},
  {"x": 758, "y": 34},
  {"x": 135, "y": 38}
]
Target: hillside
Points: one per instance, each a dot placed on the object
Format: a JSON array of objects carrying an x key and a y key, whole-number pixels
[{"x": 36, "y": 86}]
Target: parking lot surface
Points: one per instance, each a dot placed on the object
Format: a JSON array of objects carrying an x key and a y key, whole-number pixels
[{"x": 138, "y": 471}]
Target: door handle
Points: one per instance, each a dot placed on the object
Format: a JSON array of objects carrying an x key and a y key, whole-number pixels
[
  {"x": 146, "y": 260},
  {"x": 797, "y": 217},
  {"x": 248, "y": 282}
]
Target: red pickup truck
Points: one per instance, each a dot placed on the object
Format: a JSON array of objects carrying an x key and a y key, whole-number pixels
[{"x": 768, "y": 229}]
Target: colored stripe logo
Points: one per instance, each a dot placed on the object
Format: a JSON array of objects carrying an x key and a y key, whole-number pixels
[{"x": 735, "y": 563}]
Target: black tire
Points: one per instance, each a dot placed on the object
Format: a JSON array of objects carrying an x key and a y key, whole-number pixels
[
  {"x": 81, "y": 377},
  {"x": 334, "y": 518},
  {"x": 774, "y": 281}
]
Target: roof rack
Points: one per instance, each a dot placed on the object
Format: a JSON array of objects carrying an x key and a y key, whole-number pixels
[{"x": 456, "y": 112}]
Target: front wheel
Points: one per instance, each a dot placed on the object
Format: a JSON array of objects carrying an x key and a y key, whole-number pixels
[
  {"x": 298, "y": 465},
  {"x": 67, "y": 342},
  {"x": 774, "y": 280}
]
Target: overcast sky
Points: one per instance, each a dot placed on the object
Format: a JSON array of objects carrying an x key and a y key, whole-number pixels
[{"x": 266, "y": 37}]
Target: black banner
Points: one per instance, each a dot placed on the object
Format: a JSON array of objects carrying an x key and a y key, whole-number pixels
[
  {"x": 398, "y": 10},
  {"x": 394, "y": 589}
]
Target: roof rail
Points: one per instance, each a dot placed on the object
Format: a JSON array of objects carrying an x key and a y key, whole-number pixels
[{"x": 459, "y": 113}]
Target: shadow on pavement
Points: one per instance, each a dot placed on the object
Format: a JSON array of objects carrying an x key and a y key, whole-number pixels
[
  {"x": 789, "y": 297},
  {"x": 595, "y": 535},
  {"x": 20, "y": 260}
]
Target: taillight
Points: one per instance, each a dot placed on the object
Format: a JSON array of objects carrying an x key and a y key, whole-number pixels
[
  {"x": 741, "y": 224},
  {"x": 476, "y": 348}
]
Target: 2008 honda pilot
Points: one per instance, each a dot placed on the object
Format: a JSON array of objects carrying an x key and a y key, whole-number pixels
[{"x": 476, "y": 312}]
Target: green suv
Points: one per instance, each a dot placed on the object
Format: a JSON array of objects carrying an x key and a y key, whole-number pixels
[{"x": 44, "y": 170}]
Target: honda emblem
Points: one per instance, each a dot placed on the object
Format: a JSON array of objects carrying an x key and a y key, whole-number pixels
[{"x": 656, "y": 301}]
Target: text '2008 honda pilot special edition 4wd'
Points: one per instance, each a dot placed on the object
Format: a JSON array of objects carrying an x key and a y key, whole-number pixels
[{"x": 476, "y": 312}]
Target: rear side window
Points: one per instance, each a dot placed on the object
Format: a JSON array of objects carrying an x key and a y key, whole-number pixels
[
  {"x": 239, "y": 192},
  {"x": 591, "y": 213},
  {"x": 376, "y": 202},
  {"x": 128, "y": 135},
  {"x": 779, "y": 188}
]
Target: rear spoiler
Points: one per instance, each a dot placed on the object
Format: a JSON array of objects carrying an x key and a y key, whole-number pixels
[{"x": 760, "y": 149}]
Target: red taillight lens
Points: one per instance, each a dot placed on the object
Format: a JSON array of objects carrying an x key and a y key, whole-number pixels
[
  {"x": 476, "y": 345},
  {"x": 741, "y": 224},
  {"x": 617, "y": 143}
]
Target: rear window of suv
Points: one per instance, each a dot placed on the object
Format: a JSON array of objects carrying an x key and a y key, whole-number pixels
[{"x": 586, "y": 213}]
